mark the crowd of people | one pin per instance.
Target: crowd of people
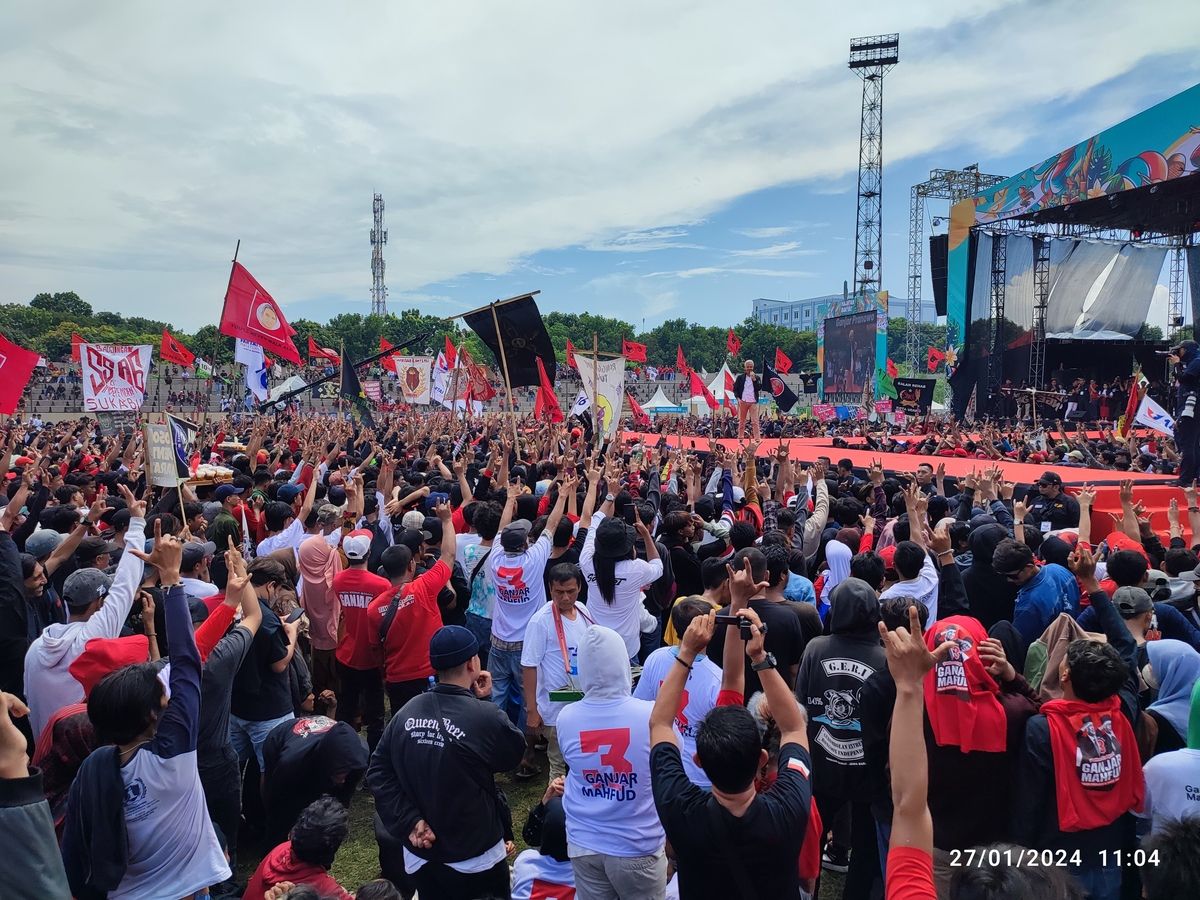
(733, 673)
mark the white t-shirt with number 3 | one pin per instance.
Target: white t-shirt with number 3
(699, 697)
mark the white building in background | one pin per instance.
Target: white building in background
(805, 315)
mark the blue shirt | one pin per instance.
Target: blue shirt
(1051, 591)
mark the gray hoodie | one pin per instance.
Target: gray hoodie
(49, 686)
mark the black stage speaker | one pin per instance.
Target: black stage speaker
(939, 250)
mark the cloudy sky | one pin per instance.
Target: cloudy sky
(646, 160)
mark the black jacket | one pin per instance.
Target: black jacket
(436, 761)
(740, 382)
(95, 847)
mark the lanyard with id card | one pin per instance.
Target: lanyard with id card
(571, 693)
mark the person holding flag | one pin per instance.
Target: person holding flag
(745, 388)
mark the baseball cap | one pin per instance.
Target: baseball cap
(289, 492)
(433, 527)
(92, 547)
(414, 519)
(195, 553)
(1075, 455)
(514, 535)
(1132, 601)
(328, 513)
(435, 498)
(42, 543)
(101, 656)
(1185, 345)
(85, 586)
(226, 491)
(739, 495)
(357, 544)
(1050, 478)
(451, 646)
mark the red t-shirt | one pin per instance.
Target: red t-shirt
(355, 589)
(406, 652)
(909, 874)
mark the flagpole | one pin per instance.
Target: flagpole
(454, 385)
(217, 337)
(596, 436)
(512, 414)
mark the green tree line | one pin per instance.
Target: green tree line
(46, 323)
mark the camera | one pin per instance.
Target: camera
(745, 626)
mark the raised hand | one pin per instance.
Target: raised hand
(908, 658)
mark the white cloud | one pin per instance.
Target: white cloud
(701, 271)
(142, 139)
(770, 231)
(776, 251)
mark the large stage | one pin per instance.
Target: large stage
(1155, 491)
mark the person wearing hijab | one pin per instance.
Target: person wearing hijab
(990, 596)
(319, 563)
(830, 692)
(837, 556)
(1171, 792)
(1175, 668)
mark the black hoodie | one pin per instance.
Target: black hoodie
(990, 596)
(832, 673)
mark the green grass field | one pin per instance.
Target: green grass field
(358, 860)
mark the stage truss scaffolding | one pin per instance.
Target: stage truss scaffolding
(1176, 294)
(999, 272)
(943, 184)
(1041, 300)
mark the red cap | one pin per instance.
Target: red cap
(101, 656)
(888, 555)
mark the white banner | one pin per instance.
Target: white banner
(114, 376)
(441, 380)
(250, 355)
(412, 374)
(1154, 416)
(608, 394)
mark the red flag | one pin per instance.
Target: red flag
(700, 389)
(388, 362)
(633, 351)
(253, 315)
(571, 355)
(891, 368)
(933, 358)
(174, 351)
(451, 356)
(681, 362)
(547, 401)
(16, 367)
(268, 363)
(76, 341)
(315, 352)
(639, 414)
(733, 343)
(783, 365)
(728, 388)
(478, 386)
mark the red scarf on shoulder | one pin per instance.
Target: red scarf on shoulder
(1097, 771)
(961, 697)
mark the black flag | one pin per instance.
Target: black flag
(523, 334)
(785, 398)
(351, 389)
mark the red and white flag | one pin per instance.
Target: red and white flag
(172, 350)
(16, 367)
(253, 315)
(77, 341)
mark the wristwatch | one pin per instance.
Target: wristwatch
(768, 662)
(610, 497)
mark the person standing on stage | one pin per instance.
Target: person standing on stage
(1186, 357)
(746, 387)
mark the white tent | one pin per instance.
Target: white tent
(659, 401)
(717, 385)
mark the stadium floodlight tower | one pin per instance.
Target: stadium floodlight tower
(378, 239)
(871, 58)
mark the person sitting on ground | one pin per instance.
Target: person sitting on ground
(544, 870)
(307, 855)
